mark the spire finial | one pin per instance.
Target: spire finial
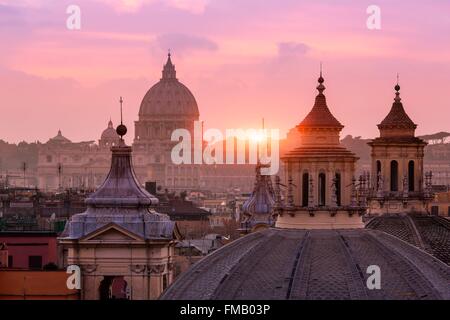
(321, 80)
(169, 69)
(121, 128)
(397, 89)
(121, 102)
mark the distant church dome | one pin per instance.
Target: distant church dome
(59, 138)
(168, 97)
(109, 133)
(109, 136)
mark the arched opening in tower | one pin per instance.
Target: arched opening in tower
(322, 187)
(394, 175)
(378, 173)
(305, 189)
(338, 188)
(411, 176)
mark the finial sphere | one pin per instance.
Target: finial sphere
(397, 88)
(121, 130)
(321, 80)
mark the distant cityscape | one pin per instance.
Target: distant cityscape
(193, 194)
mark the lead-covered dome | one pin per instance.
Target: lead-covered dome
(168, 97)
(109, 133)
(300, 264)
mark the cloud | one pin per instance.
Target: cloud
(292, 49)
(183, 43)
(22, 3)
(127, 5)
(192, 6)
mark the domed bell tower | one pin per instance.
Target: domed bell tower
(398, 182)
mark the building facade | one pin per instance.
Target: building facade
(63, 164)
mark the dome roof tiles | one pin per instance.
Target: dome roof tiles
(313, 264)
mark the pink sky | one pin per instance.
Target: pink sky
(250, 58)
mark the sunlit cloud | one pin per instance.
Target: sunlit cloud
(23, 3)
(192, 6)
(183, 43)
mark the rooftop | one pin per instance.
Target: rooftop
(313, 264)
(320, 115)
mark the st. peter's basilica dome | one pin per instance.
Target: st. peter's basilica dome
(168, 97)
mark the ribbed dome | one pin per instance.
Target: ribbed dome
(169, 96)
(277, 264)
(109, 133)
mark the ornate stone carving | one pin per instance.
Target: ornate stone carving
(156, 268)
(88, 268)
(138, 268)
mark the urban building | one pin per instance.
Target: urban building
(258, 209)
(32, 250)
(316, 163)
(167, 105)
(319, 249)
(398, 184)
(123, 247)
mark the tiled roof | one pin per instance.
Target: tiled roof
(313, 265)
(397, 117)
(179, 209)
(433, 232)
(320, 115)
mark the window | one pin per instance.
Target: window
(448, 211)
(322, 186)
(435, 210)
(10, 261)
(338, 189)
(35, 262)
(411, 176)
(49, 159)
(305, 189)
(394, 175)
(378, 173)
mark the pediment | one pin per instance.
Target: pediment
(112, 233)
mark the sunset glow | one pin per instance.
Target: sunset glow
(252, 58)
